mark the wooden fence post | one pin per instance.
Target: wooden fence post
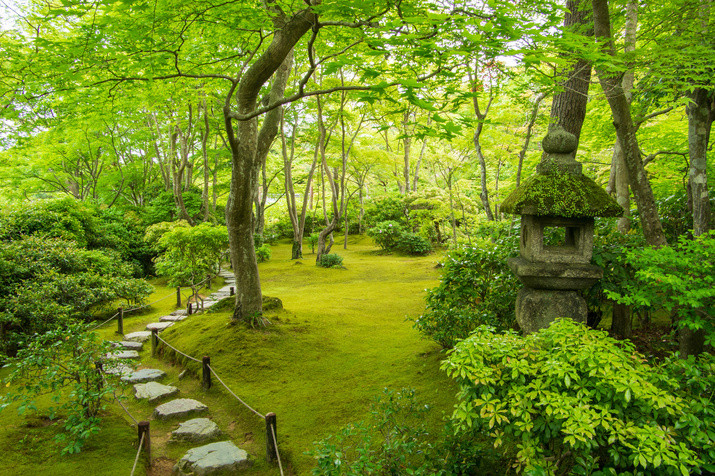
(206, 373)
(189, 309)
(232, 290)
(178, 296)
(154, 341)
(271, 449)
(208, 281)
(120, 321)
(99, 366)
(143, 429)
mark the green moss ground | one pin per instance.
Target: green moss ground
(341, 339)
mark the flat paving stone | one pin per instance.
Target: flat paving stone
(198, 430)
(159, 326)
(180, 312)
(172, 318)
(123, 354)
(179, 408)
(115, 368)
(131, 345)
(225, 289)
(222, 457)
(140, 336)
(153, 391)
(144, 375)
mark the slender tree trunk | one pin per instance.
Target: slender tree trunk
(407, 143)
(626, 132)
(529, 130)
(700, 111)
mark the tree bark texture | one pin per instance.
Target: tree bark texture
(700, 117)
(247, 149)
(626, 131)
(568, 108)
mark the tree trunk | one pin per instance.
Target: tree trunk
(529, 130)
(407, 142)
(699, 111)
(246, 146)
(626, 132)
(568, 108)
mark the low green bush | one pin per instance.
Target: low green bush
(477, 287)
(386, 234)
(331, 260)
(263, 253)
(395, 441)
(313, 240)
(412, 244)
(62, 362)
(571, 400)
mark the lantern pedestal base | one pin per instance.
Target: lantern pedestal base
(537, 308)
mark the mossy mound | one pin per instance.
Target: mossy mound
(561, 194)
(229, 303)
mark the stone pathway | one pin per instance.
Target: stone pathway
(213, 458)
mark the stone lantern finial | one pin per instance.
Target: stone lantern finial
(560, 147)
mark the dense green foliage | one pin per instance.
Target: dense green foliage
(395, 440)
(477, 288)
(679, 279)
(331, 260)
(263, 253)
(48, 282)
(412, 244)
(386, 234)
(61, 362)
(573, 400)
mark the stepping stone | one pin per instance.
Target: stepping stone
(144, 375)
(159, 326)
(123, 354)
(141, 336)
(180, 312)
(172, 318)
(197, 430)
(179, 408)
(209, 303)
(153, 391)
(116, 368)
(131, 345)
(225, 289)
(215, 458)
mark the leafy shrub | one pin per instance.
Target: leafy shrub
(331, 260)
(680, 279)
(386, 234)
(571, 400)
(477, 287)
(47, 282)
(395, 441)
(387, 208)
(412, 244)
(313, 240)
(258, 240)
(263, 253)
(63, 358)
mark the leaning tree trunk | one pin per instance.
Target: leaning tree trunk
(626, 131)
(246, 150)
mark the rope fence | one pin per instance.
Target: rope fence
(272, 452)
(121, 311)
(139, 452)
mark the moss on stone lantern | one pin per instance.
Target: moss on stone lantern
(557, 201)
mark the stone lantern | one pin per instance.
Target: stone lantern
(557, 205)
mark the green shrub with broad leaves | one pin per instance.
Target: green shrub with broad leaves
(386, 234)
(46, 283)
(331, 260)
(412, 244)
(571, 400)
(477, 287)
(679, 278)
(263, 253)
(62, 362)
(395, 440)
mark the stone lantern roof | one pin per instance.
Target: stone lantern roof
(559, 188)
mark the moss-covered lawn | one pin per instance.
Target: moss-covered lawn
(342, 338)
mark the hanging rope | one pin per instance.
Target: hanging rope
(139, 451)
(275, 443)
(235, 396)
(177, 350)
